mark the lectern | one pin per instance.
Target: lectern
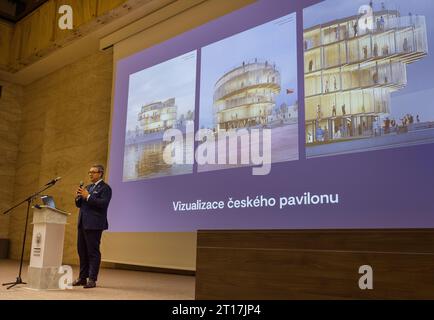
(47, 248)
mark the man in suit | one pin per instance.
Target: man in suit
(93, 201)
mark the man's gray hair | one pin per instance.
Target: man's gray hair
(100, 168)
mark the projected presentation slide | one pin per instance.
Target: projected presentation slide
(249, 81)
(340, 99)
(161, 97)
(368, 75)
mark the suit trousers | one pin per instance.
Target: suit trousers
(88, 251)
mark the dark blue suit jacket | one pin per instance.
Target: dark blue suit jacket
(93, 212)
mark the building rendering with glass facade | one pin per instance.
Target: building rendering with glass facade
(245, 96)
(158, 116)
(351, 66)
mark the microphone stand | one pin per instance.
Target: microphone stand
(29, 201)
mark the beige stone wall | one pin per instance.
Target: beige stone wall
(65, 129)
(10, 116)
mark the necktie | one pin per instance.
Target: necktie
(92, 186)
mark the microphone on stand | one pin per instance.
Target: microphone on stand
(53, 182)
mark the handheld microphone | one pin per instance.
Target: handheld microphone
(52, 182)
(81, 186)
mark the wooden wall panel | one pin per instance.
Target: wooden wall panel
(314, 264)
(15, 50)
(38, 34)
(84, 12)
(47, 14)
(29, 35)
(6, 31)
(106, 5)
(32, 36)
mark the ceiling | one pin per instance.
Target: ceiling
(14, 10)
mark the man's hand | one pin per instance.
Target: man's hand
(82, 192)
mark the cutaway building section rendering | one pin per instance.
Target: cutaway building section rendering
(245, 96)
(351, 67)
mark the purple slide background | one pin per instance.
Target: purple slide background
(390, 188)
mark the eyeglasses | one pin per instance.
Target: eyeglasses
(92, 172)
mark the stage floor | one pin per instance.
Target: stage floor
(112, 285)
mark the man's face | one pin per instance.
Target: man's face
(94, 174)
